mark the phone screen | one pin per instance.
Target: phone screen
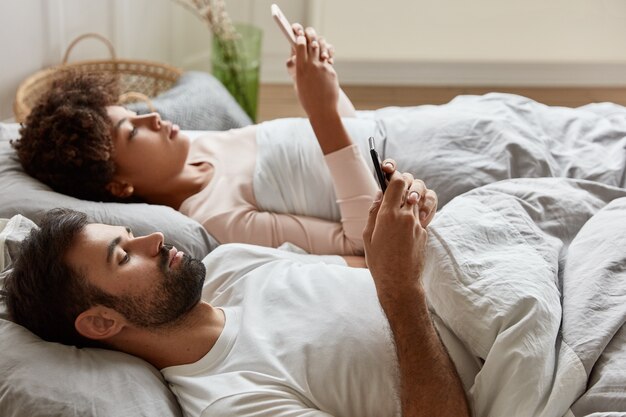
(380, 175)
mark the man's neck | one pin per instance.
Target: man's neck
(187, 342)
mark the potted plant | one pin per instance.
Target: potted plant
(236, 50)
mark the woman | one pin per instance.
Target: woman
(80, 143)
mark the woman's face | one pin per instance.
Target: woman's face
(147, 150)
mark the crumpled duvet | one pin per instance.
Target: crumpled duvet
(455, 147)
(530, 274)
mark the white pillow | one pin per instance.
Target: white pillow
(9, 131)
(44, 379)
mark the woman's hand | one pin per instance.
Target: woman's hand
(327, 52)
(316, 81)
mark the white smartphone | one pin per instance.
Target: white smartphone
(283, 24)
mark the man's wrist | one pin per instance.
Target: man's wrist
(392, 294)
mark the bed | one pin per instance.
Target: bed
(466, 150)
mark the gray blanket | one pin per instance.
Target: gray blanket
(454, 148)
(477, 140)
(530, 274)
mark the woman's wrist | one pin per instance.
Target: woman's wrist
(327, 115)
(329, 130)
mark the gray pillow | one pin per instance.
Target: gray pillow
(198, 101)
(22, 194)
(44, 379)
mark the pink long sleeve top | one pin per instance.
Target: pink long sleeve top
(228, 209)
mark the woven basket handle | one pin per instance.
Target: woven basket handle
(132, 96)
(89, 35)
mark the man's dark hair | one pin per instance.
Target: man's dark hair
(66, 141)
(43, 293)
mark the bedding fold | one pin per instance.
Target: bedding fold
(517, 270)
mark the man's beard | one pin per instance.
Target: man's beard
(164, 305)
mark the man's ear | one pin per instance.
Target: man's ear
(99, 323)
(120, 188)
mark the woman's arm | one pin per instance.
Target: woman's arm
(318, 92)
(344, 106)
(352, 179)
(354, 188)
(314, 235)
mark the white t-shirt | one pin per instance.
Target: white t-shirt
(271, 184)
(301, 338)
(291, 174)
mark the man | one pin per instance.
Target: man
(275, 333)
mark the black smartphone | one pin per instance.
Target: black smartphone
(380, 175)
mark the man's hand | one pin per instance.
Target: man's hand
(394, 249)
(395, 235)
(425, 199)
(394, 238)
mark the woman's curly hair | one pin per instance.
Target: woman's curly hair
(66, 141)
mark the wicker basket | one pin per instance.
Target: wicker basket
(139, 80)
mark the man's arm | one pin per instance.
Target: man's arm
(394, 249)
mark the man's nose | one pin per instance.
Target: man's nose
(150, 244)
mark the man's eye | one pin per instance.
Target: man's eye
(133, 132)
(125, 259)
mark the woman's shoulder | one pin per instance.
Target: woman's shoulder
(208, 145)
(202, 136)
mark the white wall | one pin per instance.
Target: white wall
(442, 42)
(478, 30)
(478, 42)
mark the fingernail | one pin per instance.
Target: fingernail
(422, 215)
(378, 196)
(389, 164)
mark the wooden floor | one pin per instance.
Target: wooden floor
(279, 100)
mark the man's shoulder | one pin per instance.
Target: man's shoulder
(232, 263)
(234, 260)
(241, 252)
